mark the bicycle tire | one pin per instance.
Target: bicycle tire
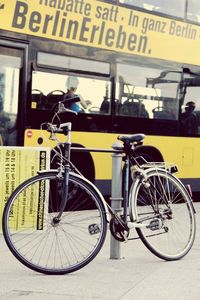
(164, 196)
(60, 248)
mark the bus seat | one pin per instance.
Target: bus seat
(38, 98)
(105, 105)
(118, 106)
(162, 113)
(54, 97)
(134, 108)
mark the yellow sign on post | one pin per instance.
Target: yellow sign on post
(16, 165)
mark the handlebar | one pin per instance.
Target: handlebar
(62, 109)
(71, 100)
(63, 128)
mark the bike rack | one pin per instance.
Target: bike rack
(116, 188)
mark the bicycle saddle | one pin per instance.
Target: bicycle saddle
(138, 137)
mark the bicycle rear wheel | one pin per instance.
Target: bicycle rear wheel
(164, 203)
(46, 246)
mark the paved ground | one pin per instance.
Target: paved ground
(139, 275)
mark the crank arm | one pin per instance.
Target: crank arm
(137, 225)
(154, 224)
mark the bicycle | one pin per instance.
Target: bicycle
(56, 222)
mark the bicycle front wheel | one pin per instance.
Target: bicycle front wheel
(41, 243)
(163, 202)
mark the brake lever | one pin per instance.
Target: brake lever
(62, 108)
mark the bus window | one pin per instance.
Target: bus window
(141, 95)
(92, 91)
(9, 90)
(190, 110)
(72, 63)
(168, 103)
(170, 7)
(193, 10)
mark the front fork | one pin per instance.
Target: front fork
(65, 191)
(65, 188)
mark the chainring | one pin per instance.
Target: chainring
(118, 229)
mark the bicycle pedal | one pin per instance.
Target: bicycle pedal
(93, 229)
(154, 224)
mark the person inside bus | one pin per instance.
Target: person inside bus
(72, 85)
(190, 119)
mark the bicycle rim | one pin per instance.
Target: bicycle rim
(37, 241)
(164, 202)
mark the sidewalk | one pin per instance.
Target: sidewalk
(139, 275)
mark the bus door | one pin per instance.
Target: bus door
(12, 94)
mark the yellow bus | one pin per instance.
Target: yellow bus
(137, 63)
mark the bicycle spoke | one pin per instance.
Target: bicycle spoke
(49, 246)
(163, 203)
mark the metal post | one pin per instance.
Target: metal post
(116, 196)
